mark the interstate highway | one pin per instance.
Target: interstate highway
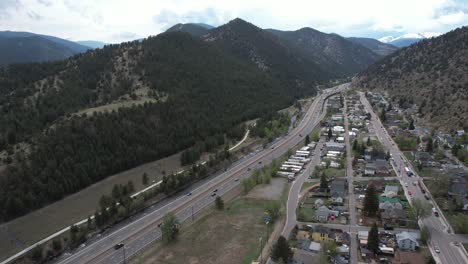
(143, 231)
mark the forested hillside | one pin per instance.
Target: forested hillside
(266, 51)
(201, 92)
(191, 28)
(334, 54)
(432, 74)
(376, 46)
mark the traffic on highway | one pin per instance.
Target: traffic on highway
(137, 234)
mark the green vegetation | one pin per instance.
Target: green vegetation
(421, 209)
(425, 235)
(208, 94)
(306, 214)
(371, 201)
(169, 227)
(406, 143)
(219, 203)
(273, 209)
(327, 248)
(315, 135)
(281, 251)
(271, 126)
(260, 176)
(459, 223)
(373, 240)
(461, 153)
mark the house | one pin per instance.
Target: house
(391, 191)
(338, 188)
(365, 253)
(318, 203)
(362, 237)
(407, 241)
(342, 238)
(378, 167)
(334, 146)
(338, 260)
(389, 205)
(322, 233)
(424, 158)
(314, 246)
(337, 200)
(393, 216)
(323, 213)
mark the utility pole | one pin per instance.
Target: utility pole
(124, 254)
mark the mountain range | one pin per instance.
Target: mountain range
(168, 93)
(431, 74)
(20, 47)
(407, 39)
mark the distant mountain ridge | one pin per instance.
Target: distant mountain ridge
(194, 29)
(21, 47)
(92, 43)
(407, 39)
(431, 74)
(333, 53)
(376, 46)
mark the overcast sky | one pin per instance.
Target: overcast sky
(122, 20)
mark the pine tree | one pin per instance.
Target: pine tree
(323, 181)
(371, 201)
(411, 125)
(281, 251)
(373, 240)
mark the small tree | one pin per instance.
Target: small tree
(169, 227)
(307, 140)
(371, 201)
(330, 133)
(373, 240)
(323, 181)
(429, 147)
(219, 203)
(425, 235)
(281, 251)
(421, 209)
(37, 254)
(273, 209)
(144, 179)
(56, 244)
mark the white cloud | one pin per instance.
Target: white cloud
(118, 20)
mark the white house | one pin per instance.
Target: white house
(407, 241)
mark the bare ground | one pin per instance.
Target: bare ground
(270, 191)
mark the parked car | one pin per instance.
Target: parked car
(386, 227)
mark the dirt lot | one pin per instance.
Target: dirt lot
(230, 236)
(270, 191)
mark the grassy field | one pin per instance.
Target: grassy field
(116, 106)
(229, 236)
(306, 214)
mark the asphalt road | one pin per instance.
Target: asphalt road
(137, 234)
(351, 199)
(449, 253)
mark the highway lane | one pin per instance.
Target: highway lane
(437, 225)
(137, 234)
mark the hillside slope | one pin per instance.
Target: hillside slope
(191, 28)
(431, 73)
(265, 50)
(202, 93)
(21, 47)
(376, 46)
(31, 49)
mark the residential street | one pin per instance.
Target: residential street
(438, 226)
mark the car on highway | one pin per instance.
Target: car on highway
(406, 184)
(436, 249)
(248, 169)
(434, 211)
(215, 190)
(237, 179)
(213, 194)
(119, 245)
(409, 193)
(188, 194)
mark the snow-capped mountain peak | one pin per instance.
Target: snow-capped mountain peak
(388, 39)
